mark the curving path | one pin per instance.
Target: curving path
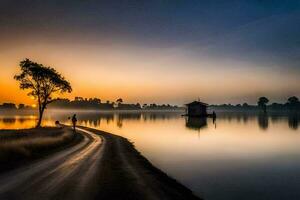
(64, 175)
(102, 166)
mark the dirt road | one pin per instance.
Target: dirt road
(102, 166)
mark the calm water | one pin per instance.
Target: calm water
(238, 156)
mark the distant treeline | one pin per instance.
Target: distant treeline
(292, 104)
(12, 106)
(94, 104)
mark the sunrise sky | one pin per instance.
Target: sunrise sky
(164, 51)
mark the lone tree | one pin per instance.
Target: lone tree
(293, 102)
(119, 100)
(43, 82)
(262, 103)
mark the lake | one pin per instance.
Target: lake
(237, 156)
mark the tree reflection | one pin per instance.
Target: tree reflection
(120, 119)
(9, 120)
(263, 121)
(293, 121)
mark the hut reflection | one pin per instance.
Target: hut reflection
(196, 123)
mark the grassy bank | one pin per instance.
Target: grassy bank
(17, 147)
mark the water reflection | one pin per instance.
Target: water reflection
(9, 120)
(294, 121)
(263, 121)
(226, 162)
(196, 123)
(95, 119)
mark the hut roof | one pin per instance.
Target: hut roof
(196, 103)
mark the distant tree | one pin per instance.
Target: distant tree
(43, 82)
(245, 105)
(293, 102)
(113, 104)
(21, 106)
(262, 103)
(78, 99)
(60, 103)
(119, 100)
(138, 105)
(153, 105)
(97, 101)
(9, 106)
(276, 106)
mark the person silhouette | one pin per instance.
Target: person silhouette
(214, 115)
(74, 120)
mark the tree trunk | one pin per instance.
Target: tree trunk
(41, 112)
(265, 109)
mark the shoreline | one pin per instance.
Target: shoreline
(125, 163)
(102, 165)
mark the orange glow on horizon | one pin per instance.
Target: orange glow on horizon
(146, 75)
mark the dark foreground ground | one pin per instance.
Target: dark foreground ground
(100, 166)
(20, 147)
(131, 176)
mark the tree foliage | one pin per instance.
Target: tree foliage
(43, 82)
(119, 100)
(293, 100)
(262, 102)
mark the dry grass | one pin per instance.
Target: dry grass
(20, 146)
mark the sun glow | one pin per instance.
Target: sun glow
(154, 70)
